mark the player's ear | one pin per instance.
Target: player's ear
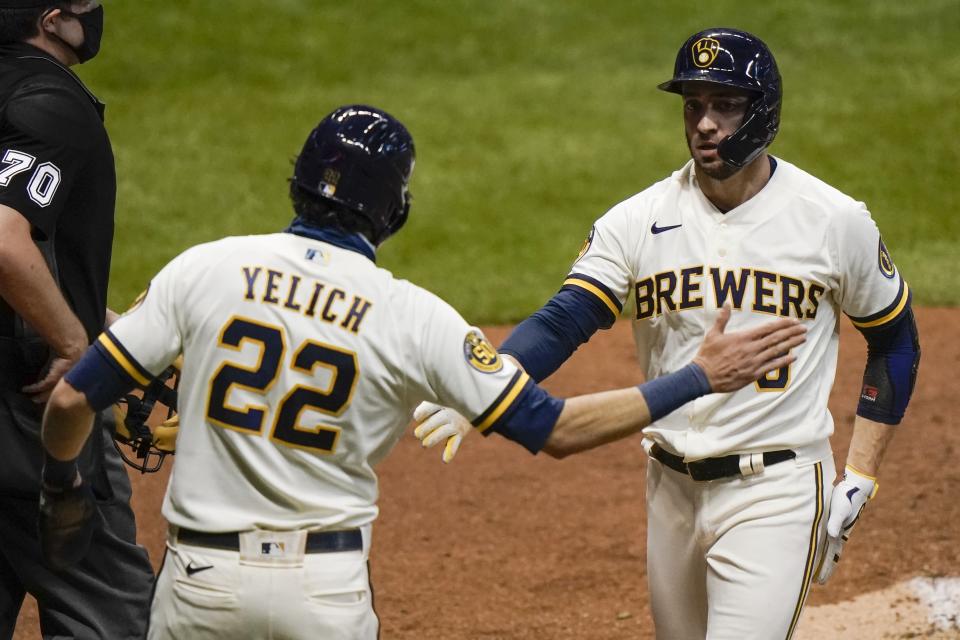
(49, 21)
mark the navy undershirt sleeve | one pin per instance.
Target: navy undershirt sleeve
(100, 378)
(666, 394)
(546, 339)
(530, 419)
(893, 358)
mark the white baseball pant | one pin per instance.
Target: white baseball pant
(270, 589)
(732, 559)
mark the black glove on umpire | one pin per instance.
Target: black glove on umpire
(67, 512)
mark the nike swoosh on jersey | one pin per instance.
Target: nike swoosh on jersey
(192, 569)
(654, 229)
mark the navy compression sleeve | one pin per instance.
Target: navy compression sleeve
(99, 377)
(668, 393)
(530, 420)
(545, 340)
(893, 357)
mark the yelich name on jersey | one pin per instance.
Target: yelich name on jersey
(313, 299)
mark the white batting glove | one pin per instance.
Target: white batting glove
(436, 423)
(850, 496)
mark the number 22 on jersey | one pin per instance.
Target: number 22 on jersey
(286, 428)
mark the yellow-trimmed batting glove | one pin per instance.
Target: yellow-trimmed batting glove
(850, 496)
(436, 424)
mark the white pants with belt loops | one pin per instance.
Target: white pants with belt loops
(732, 559)
(269, 590)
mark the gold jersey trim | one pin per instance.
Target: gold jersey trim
(604, 298)
(505, 403)
(905, 295)
(132, 369)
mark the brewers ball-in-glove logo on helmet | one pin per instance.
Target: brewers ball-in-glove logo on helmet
(704, 52)
(738, 59)
(480, 354)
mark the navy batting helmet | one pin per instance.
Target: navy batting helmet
(361, 158)
(736, 59)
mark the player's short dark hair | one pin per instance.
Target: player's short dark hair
(324, 213)
(17, 25)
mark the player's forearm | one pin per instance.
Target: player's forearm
(29, 288)
(596, 419)
(592, 420)
(67, 422)
(868, 445)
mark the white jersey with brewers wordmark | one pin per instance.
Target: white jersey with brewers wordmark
(798, 249)
(302, 364)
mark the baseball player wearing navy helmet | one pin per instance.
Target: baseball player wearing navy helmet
(742, 515)
(302, 361)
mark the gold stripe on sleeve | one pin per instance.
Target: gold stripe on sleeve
(121, 359)
(890, 316)
(604, 298)
(505, 403)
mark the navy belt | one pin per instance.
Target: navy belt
(317, 541)
(715, 468)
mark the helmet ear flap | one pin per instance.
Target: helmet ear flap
(399, 217)
(393, 221)
(742, 146)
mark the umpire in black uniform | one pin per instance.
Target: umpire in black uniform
(57, 195)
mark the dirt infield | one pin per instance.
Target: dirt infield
(503, 545)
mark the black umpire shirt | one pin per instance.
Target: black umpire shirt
(57, 171)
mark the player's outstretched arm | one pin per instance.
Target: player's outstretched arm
(725, 362)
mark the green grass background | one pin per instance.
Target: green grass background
(531, 118)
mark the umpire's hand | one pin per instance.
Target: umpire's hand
(67, 511)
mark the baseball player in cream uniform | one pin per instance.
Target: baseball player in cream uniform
(740, 484)
(302, 362)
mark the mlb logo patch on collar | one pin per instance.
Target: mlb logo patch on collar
(315, 254)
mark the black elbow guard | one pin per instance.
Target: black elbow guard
(893, 357)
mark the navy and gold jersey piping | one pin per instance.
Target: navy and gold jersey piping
(597, 288)
(109, 346)
(889, 313)
(486, 421)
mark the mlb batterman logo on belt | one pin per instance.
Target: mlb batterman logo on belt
(705, 51)
(480, 354)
